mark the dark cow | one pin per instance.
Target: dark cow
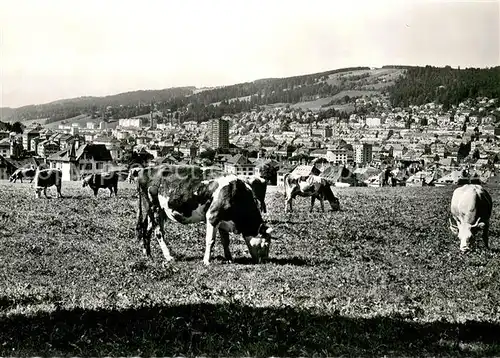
(186, 194)
(102, 180)
(45, 178)
(23, 173)
(259, 187)
(311, 185)
(471, 207)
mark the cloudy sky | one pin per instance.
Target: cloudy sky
(60, 49)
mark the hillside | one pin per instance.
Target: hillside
(68, 108)
(446, 86)
(403, 85)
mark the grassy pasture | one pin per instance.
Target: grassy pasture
(384, 276)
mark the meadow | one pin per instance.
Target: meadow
(384, 276)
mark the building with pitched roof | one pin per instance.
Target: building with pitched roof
(77, 161)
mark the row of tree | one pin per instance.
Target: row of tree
(16, 127)
(446, 86)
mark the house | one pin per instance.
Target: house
(78, 160)
(46, 148)
(239, 165)
(189, 151)
(27, 136)
(339, 155)
(5, 148)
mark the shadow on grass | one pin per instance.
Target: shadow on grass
(207, 329)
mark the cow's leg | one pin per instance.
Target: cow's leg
(160, 234)
(322, 203)
(312, 203)
(21, 178)
(264, 209)
(45, 192)
(58, 188)
(96, 190)
(209, 242)
(485, 234)
(110, 191)
(143, 232)
(224, 238)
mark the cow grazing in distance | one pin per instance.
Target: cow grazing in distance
(132, 174)
(102, 180)
(259, 187)
(23, 173)
(186, 194)
(471, 207)
(45, 178)
(311, 185)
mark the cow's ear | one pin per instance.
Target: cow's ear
(480, 225)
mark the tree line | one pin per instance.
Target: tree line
(446, 86)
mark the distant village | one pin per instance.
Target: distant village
(414, 143)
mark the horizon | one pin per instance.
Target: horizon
(107, 58)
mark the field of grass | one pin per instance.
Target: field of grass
(383, 276)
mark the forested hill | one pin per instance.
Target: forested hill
(263, 91)
(446, 85)
(68, 108)
(406, 85)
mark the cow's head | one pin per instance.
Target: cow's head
(38, 192)
(465, 232)
(335, 203)
(260, 244)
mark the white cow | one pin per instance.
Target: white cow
(471, 207)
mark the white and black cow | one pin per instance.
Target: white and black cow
(102, 180)
(471, 207)
(45, 178)
(259, 187)
(312, 185)
(23, 173)
(185, 194)
(132, 174)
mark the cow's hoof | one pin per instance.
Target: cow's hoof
(206, 262)
(169, 259)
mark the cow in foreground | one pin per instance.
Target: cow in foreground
(102, 180)
(259, 187)
(311, 185)
(471, 207)
(46, 178)
(23, 173)
(185, 195)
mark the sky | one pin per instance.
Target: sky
(55, 49)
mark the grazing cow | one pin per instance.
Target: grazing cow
(471, 207)
(311, 185)
(103, 180)
(23, 173)
(259, 187)
(45, 178)
(187, 194)
(132, 174)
